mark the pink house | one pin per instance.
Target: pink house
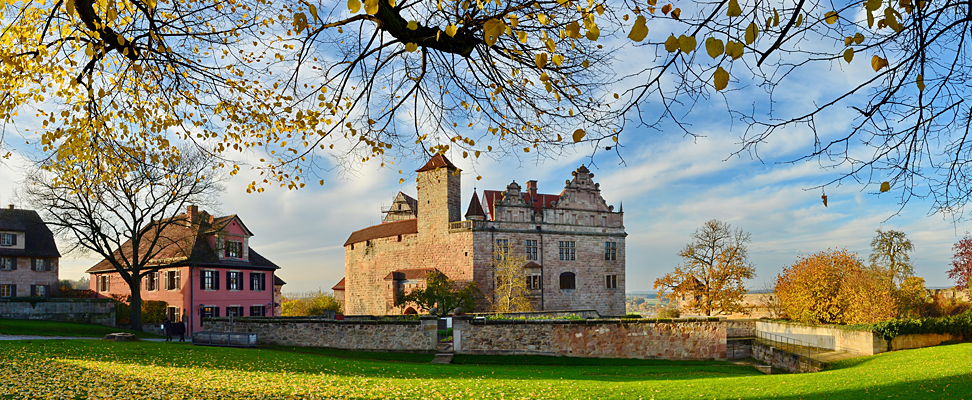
(205, 268)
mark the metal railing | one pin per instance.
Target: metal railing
(789, 345)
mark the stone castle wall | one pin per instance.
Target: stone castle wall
(89, 311)
(680, 340)
(399, 336)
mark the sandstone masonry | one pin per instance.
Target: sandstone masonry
(574, 243)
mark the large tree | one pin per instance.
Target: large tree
(889, 252)
(122, 214)
(834, 287)
(441, 296)
(291, 78)
(511, 293)
(961, 270)
(714, 266)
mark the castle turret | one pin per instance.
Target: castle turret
(438, 196)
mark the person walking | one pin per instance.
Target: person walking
(167, 329)
(180, 329)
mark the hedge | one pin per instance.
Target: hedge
(957, 324)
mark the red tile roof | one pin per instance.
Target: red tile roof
(178, 244)
(387, 229)
(406, 274)
(475, 208)
(532, 264)
(437, 161)
(490, 197)
(339, 286)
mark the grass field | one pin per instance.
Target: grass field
(52, 369)
(54, 328)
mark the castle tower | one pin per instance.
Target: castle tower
(438, 196)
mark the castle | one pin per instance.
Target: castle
(573, 243)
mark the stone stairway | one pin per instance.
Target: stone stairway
(443, 353)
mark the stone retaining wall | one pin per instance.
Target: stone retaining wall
(380, 335)
(857, 342)
(676, 340)
(90, 311)
(783, 360)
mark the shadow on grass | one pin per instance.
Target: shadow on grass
(23, 327)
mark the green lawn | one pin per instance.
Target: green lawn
(98, 369)
(54, 328)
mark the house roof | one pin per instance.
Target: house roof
(339, 286)
(277, 281)
(387, 229)
(475, 207)
(38, 239)
(408, 274)
(179, 244)
(437, 161)
(532, 264)
(490, 197)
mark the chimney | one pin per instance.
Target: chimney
(532, 189)
(11, 206)
(191, 213)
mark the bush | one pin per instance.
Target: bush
(940, 306)
(309, 304)
(153, 311)
(633, 315)
(956, 324)
(671, 311)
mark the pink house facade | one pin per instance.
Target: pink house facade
(208, 270)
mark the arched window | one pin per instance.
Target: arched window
(567, 280)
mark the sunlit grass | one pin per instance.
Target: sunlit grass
(150, 370)
(56, 328)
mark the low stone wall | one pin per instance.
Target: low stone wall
(585, 314)
(90, 311)
(375, 335)
(676, 340)
(783, 360)
(905, 342)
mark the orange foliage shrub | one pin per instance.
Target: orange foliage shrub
(834, 287)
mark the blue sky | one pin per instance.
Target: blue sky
(669, 183)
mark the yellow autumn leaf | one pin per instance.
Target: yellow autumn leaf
(640, 30)
(412, 25)
(492, 30)
(858, 38)
(371, 6)
(752, 31)
(831, 17)
(734, 49)
(776, 18)
(798, 21)
(733, 10)
(540, 60)
(714, 47)
(885, 186)
(920, 80)
(313, 10)
(579, 135)
(671, 44)
(877, 63)
(848, 55)
(557, 59)
(687, 43)
(572, 30)
(411, 47)
(451, 30)
(593, 32)
(720, 78)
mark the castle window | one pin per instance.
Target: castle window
(533, 282)
(611, 281)
(399, 238)
(234, 311)
(258, 311)
(8, 239)
(174, 314)
(258, 281)
(152, 281)
(531, 249)
(610, 251)
(234, 281)
(503, 245)
(7, 290)
(210, 311)
(566, 249)
(103, 282)
(8, 264)
(41, 264)
(567, 281)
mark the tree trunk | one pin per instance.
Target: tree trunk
(135, 301)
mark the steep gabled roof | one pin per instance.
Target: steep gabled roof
(180, 243)
(38, 239)
(277, 281)
(437, 161)
(491, 197)
(388, 229)
(475, 207)
(339, 286)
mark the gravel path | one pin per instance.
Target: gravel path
(37, 337)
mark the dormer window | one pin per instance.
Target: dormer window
(8, 239)
(233, 249)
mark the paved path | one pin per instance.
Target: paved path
(37, 337)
